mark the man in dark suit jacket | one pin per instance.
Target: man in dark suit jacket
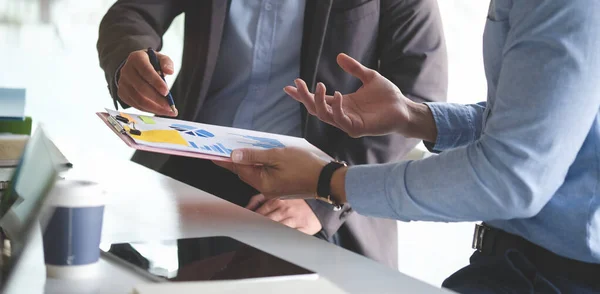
(236, 52)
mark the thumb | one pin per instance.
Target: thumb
(353, 67)
(251, 156)
(255, 202)
(166, 64)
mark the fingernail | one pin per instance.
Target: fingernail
(175, 111)
(237, 156)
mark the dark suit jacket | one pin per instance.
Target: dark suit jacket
(402, 39)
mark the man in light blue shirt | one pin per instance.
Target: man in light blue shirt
(527, 161)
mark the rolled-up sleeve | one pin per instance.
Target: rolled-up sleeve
(546, 100)
(457, 124)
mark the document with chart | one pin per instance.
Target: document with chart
(191, 139)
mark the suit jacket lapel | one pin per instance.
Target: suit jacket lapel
(316, 17)
(218, 15)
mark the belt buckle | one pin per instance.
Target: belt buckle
(478, 235)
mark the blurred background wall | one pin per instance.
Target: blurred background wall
(48, 47)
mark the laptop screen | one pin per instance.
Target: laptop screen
(20, 205)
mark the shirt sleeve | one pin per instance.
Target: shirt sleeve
(128, 26)
(546, 101)
(457, 124)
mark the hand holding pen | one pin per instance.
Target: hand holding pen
(141, 82)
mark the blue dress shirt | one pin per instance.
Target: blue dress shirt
(528, 160)
(259, 55)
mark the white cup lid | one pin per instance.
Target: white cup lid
(76, 193)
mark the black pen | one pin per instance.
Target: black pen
(156, 65)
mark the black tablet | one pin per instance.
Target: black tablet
(201, 259)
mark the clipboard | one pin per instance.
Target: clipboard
(284, 141)
(131, 143)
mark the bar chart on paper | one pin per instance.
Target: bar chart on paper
(266, 143)
(171, 134)
(216, 148)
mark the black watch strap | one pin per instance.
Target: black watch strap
(324, 183)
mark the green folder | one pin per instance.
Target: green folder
(16, 126)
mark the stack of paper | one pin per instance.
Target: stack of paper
(14, 126)
(11, 148)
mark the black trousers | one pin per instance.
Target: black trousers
(510, 264)
(514, 272)
(208, 177)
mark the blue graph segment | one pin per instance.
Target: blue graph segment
(181, 127)
(225, 148)
(219, 148)
(204, 133)
(192, 131)
(262, 142)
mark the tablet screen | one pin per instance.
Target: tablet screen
(203, 259)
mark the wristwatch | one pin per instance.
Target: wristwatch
(324, 184)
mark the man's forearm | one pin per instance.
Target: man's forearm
(421, 124)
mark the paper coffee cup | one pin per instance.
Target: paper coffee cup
(73, 231)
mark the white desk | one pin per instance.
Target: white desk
(160, 208)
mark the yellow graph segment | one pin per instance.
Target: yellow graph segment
(160, 136)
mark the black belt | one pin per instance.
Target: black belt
(495, 242)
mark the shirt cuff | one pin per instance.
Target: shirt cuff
(454, 125)
(366, 189)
